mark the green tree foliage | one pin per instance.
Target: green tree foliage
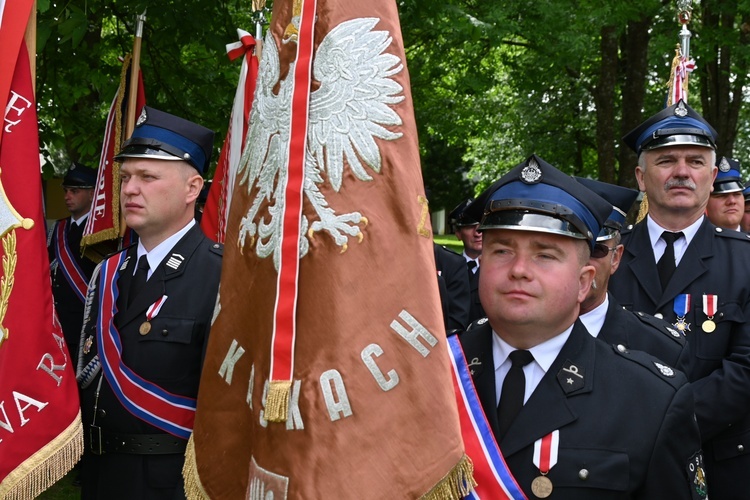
(184, 63)
(492, 82)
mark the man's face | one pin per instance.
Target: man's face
(78, 200)
(726, 209)
(745, 223)
(157, 196)
(532, 282)
(471, 238)
(677, 179)
(605, 265)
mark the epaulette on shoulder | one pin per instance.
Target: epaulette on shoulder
(655, 366)
(477, 324)
(728, 233)
(450, 250)
(661, 326)
(217, 248)
(626, 229)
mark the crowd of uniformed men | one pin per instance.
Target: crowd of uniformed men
(627, 345)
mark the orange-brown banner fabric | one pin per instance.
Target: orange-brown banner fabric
(372, 412)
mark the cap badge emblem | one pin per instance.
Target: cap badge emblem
(681, 110)
(531, 173)
(724, 165)
(142, 117)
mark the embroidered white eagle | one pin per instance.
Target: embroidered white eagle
(349, 110)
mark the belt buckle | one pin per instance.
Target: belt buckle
(95, 440)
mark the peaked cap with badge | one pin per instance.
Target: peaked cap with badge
(161, 136)
(79, 176)
(677, 125)
(728, 179)
(535, 196)
(621, 198)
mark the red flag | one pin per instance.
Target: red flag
(102, 232)
(216, 210)
(327, 373)
(40, 419)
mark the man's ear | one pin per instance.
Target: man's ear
(585, 280)
(616, 258)
(194, 186)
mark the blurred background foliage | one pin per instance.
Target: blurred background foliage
(492, 82)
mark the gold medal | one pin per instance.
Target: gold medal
(708, 326)
(145, 328)
(541, 487)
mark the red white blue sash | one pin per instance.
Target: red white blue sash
(149, 402)
(67, 263)
(494, 479)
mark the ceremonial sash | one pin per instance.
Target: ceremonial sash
(149, 402)
(67, 263)
(494, 479)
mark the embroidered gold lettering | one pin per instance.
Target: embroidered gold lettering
(422, 229)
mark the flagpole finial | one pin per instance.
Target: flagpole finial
(684, 14)
(140, 20)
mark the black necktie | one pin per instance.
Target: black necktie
(139, 279)
(666, 265)
(471, 264)
(514, 387)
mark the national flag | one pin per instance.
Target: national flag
(327, 372)
(103, 227)
(41, 437)
(216, 210)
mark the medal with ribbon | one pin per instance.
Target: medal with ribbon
(681, 307)
(710, 304)
(152, 311)
(545, 457)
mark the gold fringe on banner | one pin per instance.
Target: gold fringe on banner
(193, 486)
(47, 466)
(457, 484)
(642, 209)
(670, 84)
(111, 234)
(277, 402)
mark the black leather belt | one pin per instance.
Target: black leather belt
(135, 444)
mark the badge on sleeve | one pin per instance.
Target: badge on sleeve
(696, 476)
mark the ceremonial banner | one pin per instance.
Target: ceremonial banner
(216, 210)
(102, 232)
(327, 373)
(40, 420)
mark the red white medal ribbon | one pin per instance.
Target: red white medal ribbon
(154, 308)
(545, 451)
(709, 305)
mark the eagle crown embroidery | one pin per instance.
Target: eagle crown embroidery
(349, 110)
